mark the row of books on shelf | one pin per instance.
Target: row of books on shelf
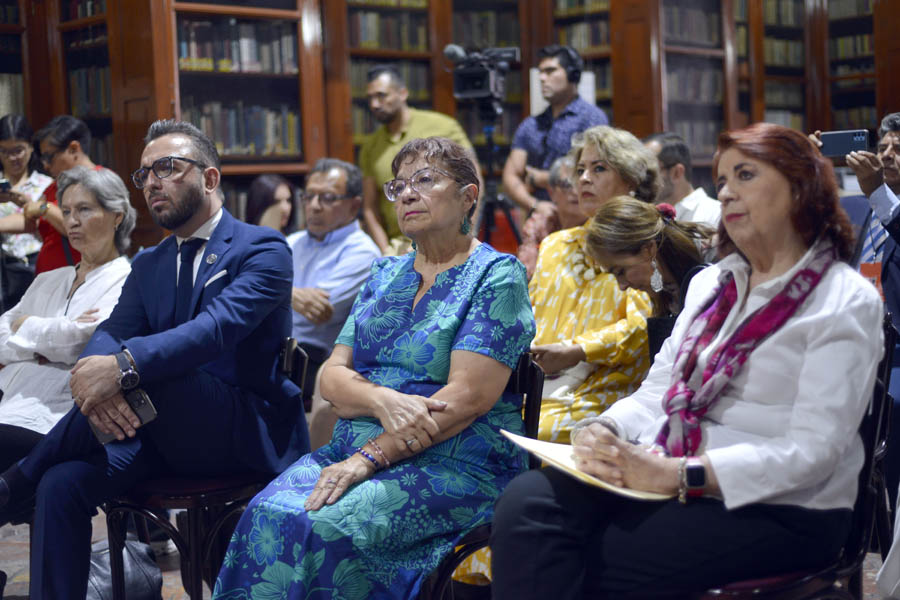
(95, 35)
(783, 12)
(397, 31)
(686, 83)
(414, 74)
(782, 53)
(9, 12)
(854, 84)
(741, 33)
(785, 94)
(786, 118)
(101, 151)
(240, 130)
(852, 69)
(841, 9)
(10, 44)
(400, 3)
(585, 36)
(851, 46)
(234, 46)
(603, 81)
(487, 28)
(564, 8)
(700, 135)
(90, 93)
(362, 121)
(235, 200)
(79, 9)
(469, 119)
(12, 94)
(859, 117)
(692, 26)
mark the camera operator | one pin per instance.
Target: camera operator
(387, 96)
(542, 139)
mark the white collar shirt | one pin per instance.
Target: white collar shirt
(697, 207)
(204, 232)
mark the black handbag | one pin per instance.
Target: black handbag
(143, 577)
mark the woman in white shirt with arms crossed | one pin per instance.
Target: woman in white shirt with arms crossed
(42, 336)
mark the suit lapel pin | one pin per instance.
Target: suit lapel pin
(211, 259)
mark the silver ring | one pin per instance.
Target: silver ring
(411, 442)
(331, 481)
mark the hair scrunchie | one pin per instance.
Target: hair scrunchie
(666, 210)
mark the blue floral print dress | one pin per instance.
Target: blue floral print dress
(386, 534)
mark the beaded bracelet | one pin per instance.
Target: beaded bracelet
(380, 452)
(682, 480)
(370, 457)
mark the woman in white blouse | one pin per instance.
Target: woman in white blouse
(748, 418)
(42, 336)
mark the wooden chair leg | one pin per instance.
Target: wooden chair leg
(195, 548)
(116, 532)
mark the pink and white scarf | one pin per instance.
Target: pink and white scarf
(681, 434)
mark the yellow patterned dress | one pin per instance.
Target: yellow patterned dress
(575, 302)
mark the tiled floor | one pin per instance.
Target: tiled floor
(14, 560)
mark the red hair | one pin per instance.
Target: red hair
(816, 208)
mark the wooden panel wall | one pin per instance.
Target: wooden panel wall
(887, 56)
(637, 76)
(141, 78)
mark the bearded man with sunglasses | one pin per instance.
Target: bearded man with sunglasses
(332, 259)
(198, 327)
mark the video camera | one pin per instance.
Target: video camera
(480, 75)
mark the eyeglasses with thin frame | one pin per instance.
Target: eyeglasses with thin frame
(422, 181)
(14, 152)
(162, 168)
(326, 199)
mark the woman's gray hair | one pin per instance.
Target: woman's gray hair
(624, 154)
(109, 191)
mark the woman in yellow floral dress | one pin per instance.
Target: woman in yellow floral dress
(591, 337)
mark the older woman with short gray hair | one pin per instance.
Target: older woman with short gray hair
(42, 336)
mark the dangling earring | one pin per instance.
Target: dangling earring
(466, 226)
(414, 245)
(656, 280)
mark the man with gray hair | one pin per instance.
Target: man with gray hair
(332, 258)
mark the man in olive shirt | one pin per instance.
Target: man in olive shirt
(387, 96)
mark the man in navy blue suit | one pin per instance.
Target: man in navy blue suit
(198, 326)
(878, 215)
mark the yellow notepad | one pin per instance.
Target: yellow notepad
(560, 456)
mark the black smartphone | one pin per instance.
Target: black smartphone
(140, 403)
(5, 185)
(842, 143)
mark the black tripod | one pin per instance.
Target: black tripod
(488, 111)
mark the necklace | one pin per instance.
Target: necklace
(582, 267)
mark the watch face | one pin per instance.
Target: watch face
(695, 476)
(130, 380)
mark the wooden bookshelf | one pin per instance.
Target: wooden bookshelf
(14, 93)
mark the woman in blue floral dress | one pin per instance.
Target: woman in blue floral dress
(417, 376)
